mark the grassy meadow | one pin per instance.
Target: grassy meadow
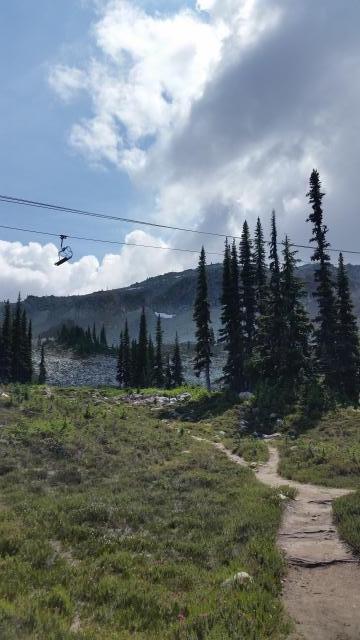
(329, 454)
(115, 523)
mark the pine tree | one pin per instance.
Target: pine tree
(325, 330)
(202, 360)
(176, 365)
(120, 362)
(231, 333)
(159, 368)
(6, 349)
(168, 374)
(142, 352)
(94, 336)
(42, 367)
(247, 290)
(260, 277)
(347, 341)
(295, 362)
(126, 357)
(150, 363)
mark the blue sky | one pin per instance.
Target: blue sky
(191, 114)
(36, 161)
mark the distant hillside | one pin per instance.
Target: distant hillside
(171, 294)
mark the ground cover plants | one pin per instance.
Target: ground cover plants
(116, 523)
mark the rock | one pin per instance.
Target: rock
(238, 579)
(5, 396)
(222, 433)
(246, 395)
(253, 465)
(282, 497)
(184, 396)
(272, 436)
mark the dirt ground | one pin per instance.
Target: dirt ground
(322, 587)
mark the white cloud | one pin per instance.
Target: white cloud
(30, 268)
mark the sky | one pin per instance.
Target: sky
(192, 114)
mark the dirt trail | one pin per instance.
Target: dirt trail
(322, 588)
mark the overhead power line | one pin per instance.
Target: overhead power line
(61, 209)
(103, 241)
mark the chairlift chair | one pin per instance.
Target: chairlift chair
(65, 253)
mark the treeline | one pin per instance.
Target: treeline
(15, 345)
(271, 345)
(83, 341)
(141, 363)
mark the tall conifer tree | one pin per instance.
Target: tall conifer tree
(176, 365)
(325, 329)
(247, 289)
(120, 362)
(347, 341)
(42, 367)
(126, 357)
(142, 352)
(150, 363)
(260, 275)
(159, 367)
(202, 360)
(17, 344)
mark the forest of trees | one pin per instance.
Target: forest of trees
(83, 341)
(15, 345)
(271, 345)
(143, 364)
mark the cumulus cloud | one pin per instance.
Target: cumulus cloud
(30, 268)
(228, 105)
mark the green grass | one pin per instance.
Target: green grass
(328, 454)
(115, 524)
(347, 518)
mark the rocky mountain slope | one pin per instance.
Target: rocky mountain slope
(171, 294)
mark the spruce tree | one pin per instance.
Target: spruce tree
(126, 357)
(325, 329)
(295, 361)
(260, 277)
(6, 349)
(142, 352)
(29, 361)
(42, 367)
(176, 365)
(17, 344)
(103, 340)
(150, 362)
(94, 336)
(120, 362)
(271, 325)
(159, 367)
(347, 341)
(231, 330)
(134, 364)
(202, 360)
(247, 290)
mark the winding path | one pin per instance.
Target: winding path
(322, 587)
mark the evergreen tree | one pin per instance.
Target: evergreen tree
(295, 362)
(120, 362)
(103, 340)
(202, 360)
(260, 277)
(176, 368)
(347, 341)
(42, 367)
(159, 368)
(6, 348)
(150, 362)
(168, 374)
(134, 364)
(271, 325)
(126, 357)
(142, 352)
(325, 330)
(17, 344)
(29, 362)
(231, 333)
(94, 336)
(247, 290)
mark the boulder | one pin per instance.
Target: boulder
(246, 395)
(272, 436)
